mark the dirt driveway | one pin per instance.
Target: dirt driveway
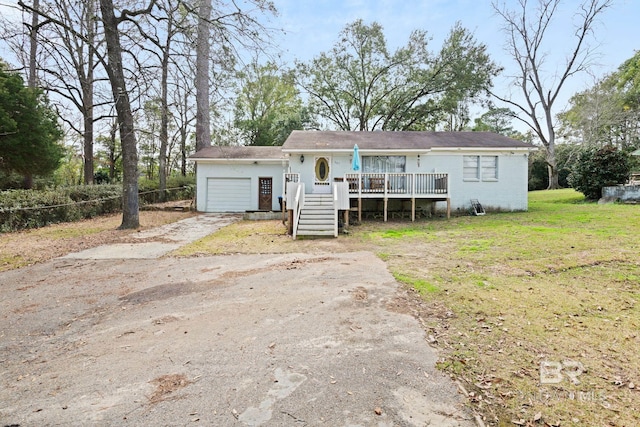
(273, 340)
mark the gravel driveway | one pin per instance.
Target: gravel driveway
(242, 340)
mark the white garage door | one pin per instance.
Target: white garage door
(228, 194)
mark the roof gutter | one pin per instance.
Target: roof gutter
(469, 149)
(379, 151)
(362, 150)
(227, 160)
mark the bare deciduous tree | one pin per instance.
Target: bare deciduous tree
(115, 70)
(139, 36)
(33, 48)
(527, 30)
(65, 64)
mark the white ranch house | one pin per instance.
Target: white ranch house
(395, 173)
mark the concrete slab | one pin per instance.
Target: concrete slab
(168, 238)
(238, 340)
(190, 229)
(146, 250)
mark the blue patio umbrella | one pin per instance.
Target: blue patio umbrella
(355, 164)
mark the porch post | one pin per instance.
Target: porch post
(413, 209)
(284, 210)
(385, 209)
(290, 222)
(448, 207)
(414, 178)
(359, 196)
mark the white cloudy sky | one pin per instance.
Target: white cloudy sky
(312, 26)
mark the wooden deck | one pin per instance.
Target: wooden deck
(419, 185)
(409, 186)
(385, 186)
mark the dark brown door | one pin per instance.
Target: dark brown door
(265, 198)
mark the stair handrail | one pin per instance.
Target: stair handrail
(335, 210)
(298, 202)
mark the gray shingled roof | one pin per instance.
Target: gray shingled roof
(239, 153)
(339, 140)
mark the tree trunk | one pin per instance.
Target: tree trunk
(552, 163)
(33, 52)
(554, 180)
(130, 203)
(33, 48)
(112, 152)
(183, 151)
(552, 167)
(203, 128)
(27, 181)
(164, 116)
(86, 84)
(88, 135)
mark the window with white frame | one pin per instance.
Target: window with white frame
(480, 168)
(489, 168)
(471, 168)
(382, 164)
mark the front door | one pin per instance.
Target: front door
(265, 190)
(322, 175)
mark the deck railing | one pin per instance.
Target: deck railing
(296, 206)
(289, 177)
(336, 194)
(432, 183)
(398, 184)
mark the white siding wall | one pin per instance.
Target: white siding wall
(340, 165)
(508, 192)
(253, 171)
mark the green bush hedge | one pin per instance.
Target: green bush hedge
(94, 200)
(178, 188)
(21, 209)
(597, 168)
(24, 209)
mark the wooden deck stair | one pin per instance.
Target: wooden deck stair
(317, 216)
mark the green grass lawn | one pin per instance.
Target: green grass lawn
(560, 283)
